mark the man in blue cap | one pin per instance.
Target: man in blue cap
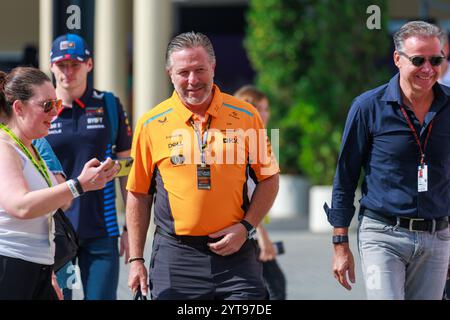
(92, 123)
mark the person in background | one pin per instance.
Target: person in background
(30, 193)
(82, 129)
(273, 275)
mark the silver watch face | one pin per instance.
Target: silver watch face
(251, 234)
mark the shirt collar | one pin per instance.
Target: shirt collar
(81, 102)
(213, 108)
(440, 101)
(393, 93)
(84, 99)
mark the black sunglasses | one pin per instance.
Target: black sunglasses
(418, 61)
(50, 104)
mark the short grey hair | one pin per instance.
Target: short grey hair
(444, 36)
(416, 29)
(189, 40)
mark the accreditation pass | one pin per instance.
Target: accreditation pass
(422, 178)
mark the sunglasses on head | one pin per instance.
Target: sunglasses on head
(418, 61)
(50, 104)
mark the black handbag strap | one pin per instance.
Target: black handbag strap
(138, 294)
(66, 240)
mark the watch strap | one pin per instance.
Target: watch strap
(251, 231)
(337, 239)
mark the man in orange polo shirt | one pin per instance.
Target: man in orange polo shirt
(191, 153)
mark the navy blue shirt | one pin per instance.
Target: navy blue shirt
(77, 135)
(378, 139)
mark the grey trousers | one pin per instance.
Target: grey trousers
(399, 264)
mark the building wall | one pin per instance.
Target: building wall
(407, 9)
(19, 25)
(23, 17)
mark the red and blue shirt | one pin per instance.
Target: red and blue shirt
(77, 135)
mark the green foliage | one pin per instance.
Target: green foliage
(276, 42)
(313, 58)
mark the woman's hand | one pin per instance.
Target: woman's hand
(96, 174)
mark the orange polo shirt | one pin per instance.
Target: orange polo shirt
(166, 155)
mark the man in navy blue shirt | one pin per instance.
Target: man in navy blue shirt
(399, 133)
(80, 132)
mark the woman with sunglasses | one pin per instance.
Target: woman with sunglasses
(30, 194)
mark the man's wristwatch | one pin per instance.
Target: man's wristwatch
(340, 239)
(251, 231)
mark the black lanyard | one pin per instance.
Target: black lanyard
(416, 136)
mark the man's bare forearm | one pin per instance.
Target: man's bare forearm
(340, 231)
(123, 180)
(262, 200)
(138, 219)
(123, 188)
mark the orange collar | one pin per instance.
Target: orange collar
(186, 114)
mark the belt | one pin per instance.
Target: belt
(194, 240)
(412, 224)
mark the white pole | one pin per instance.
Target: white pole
(45, 34)
(152, 32)
(110, 48)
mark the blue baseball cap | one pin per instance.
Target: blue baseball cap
(69, 47)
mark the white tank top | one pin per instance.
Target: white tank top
(28, 239)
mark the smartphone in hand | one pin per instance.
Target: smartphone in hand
(124, 166)
(109, 166)
(279, 247)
